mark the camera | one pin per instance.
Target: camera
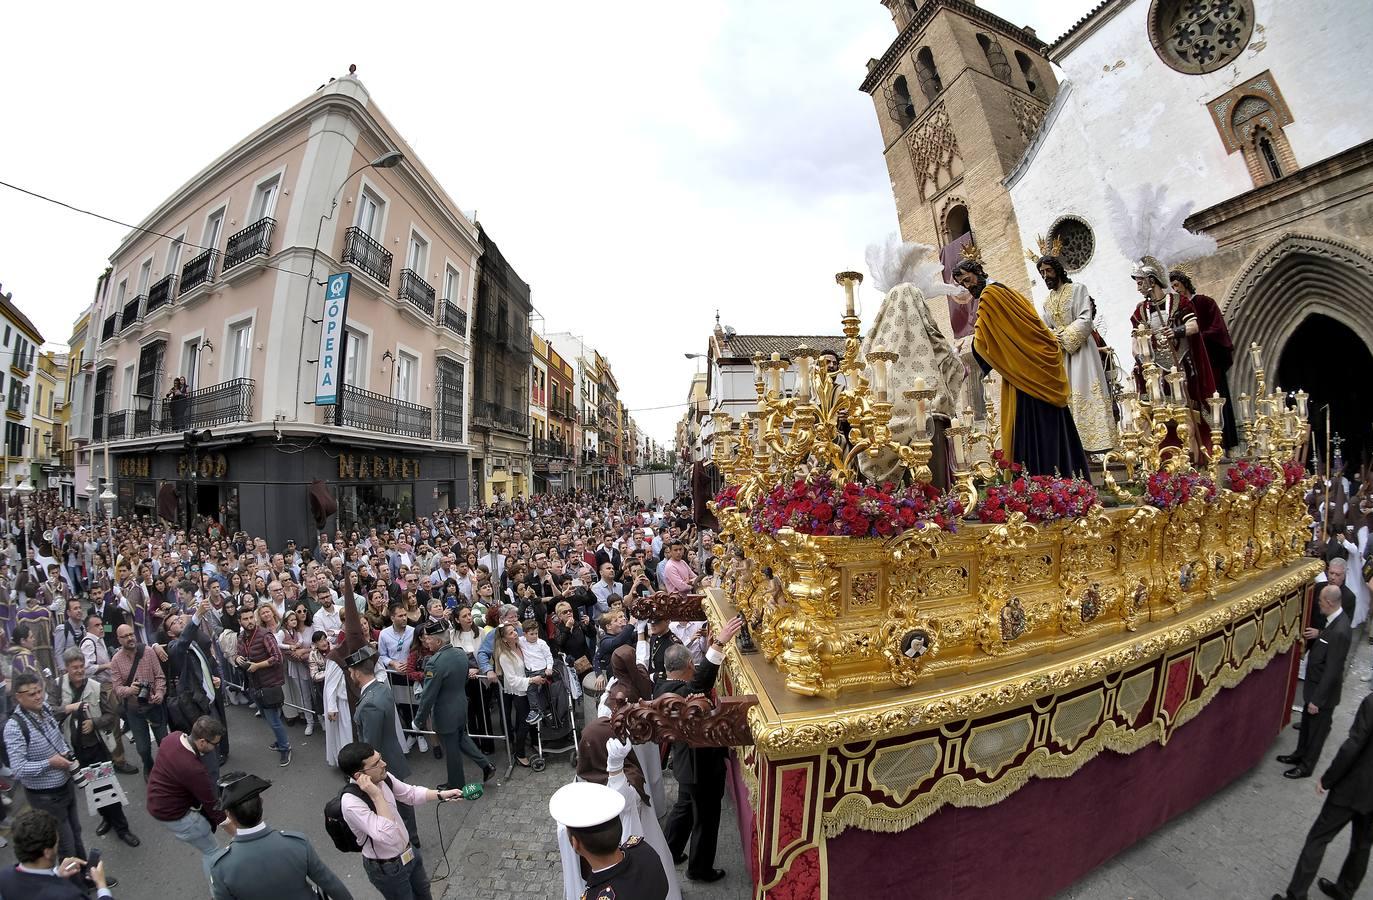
(145, 694)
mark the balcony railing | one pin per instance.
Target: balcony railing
(417, 291)
(198, 271)
(365, 253)
(251, 241)
(129, 317)
(454, 317)
(117, 425)
(373, 412)
(589, 457)
(107, 329)
(98, 427)
(551, 448)
(219, 404)
(161, 293)
(495, 415)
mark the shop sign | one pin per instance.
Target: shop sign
(207, 465)
(135, 466)
(332, 339)
(362, 467)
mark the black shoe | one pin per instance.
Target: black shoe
(125, 769)
(274, 746)
(111, 882)
(285, 757)
(129, 838)
(1297, 772)
(678, 860)
(103, 828)
(707, 878)
(488, 773)
(1331, 889)
(438, 752)
(1289, 759)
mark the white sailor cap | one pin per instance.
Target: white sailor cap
(585, 804)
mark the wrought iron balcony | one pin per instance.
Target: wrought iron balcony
(365, 253)
(129, 317)
(589, 457)
(454, 317)
(161, 294)
(493, 415)
(551, 448)
(98, 427)
(117, 425)
(417, 291)
(107, 329)
(219, 404)
(373, 412)
(198, 271)
(255, 240)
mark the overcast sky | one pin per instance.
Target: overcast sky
(641, 164)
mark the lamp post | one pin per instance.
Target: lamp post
(388, 160)
(107, 498)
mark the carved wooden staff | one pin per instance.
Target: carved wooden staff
(695, 720)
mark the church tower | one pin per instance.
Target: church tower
(959, 96)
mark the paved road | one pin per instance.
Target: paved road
(1240, 843)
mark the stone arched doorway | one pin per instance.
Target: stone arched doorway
(1308, 301)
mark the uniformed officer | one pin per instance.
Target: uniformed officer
(444, 695)
(612, 870)
(262, 862)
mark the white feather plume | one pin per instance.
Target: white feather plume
(1150, 227)
(891, 262)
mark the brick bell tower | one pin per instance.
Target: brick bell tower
(959, 96)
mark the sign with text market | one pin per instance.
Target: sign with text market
(370, 467)
(332, 340)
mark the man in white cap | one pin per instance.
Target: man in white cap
(588, 814)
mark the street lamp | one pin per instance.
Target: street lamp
(90, 497)
(107, 497)
(388, 160)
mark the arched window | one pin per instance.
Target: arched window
(927, 74)
(956, 223)
(996, 57)
(1269, 155)
(1027, 68)
(903, 110)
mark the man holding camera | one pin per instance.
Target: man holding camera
(139, 686)
(43, 761)
(88, 723)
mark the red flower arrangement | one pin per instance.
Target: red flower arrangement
(1245, 474)
(1292, 472)
(1042, 498)
(727, 498)
(1166, 490)
(821, 507)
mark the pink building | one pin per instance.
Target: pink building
(231, 300)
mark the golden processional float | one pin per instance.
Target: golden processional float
(989, 690)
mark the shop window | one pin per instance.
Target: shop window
(368, 505)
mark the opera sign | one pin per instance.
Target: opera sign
(332, 339)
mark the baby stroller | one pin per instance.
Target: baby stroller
(557, 731)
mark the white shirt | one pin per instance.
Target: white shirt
(328, 621)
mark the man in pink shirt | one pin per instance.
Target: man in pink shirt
(678, 577)
(391, 862)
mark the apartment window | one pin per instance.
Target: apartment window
(174, 257)
(119, 293)
(355, 359)
(241, 350)
(190, 363)
(145, 277)
(214, 226)
(126, 392)
(16, 436)
(40, 396)
(407, 367)
(370, 209)
(7, 335)
(265, 199)
(452, 284)
(417, 259)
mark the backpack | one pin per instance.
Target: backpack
(342, 835)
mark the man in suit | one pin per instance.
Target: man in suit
(374, 722)
(1336, 573)
(261, 861)
(1350, 783)
(700, 771)
(39, 875)
(1321, 689)
(444, 696)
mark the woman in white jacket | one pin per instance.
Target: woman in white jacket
(509, 665)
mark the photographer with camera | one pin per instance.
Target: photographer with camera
(40, 875)
(88, 724)
(43, 761)
(140, 687)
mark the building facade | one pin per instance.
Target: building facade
(230, 306)
(586, 433)
(49, 402)
(18, 382)
(562, 447)
(1227, 108)
(501, 463)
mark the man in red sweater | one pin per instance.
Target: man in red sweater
(180, 793)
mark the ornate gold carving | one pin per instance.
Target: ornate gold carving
(864, 591)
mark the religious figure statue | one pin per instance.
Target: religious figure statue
(1069, 312)
(910, 274)
(1175, 336)
(1037, 428)
(1220, 350)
